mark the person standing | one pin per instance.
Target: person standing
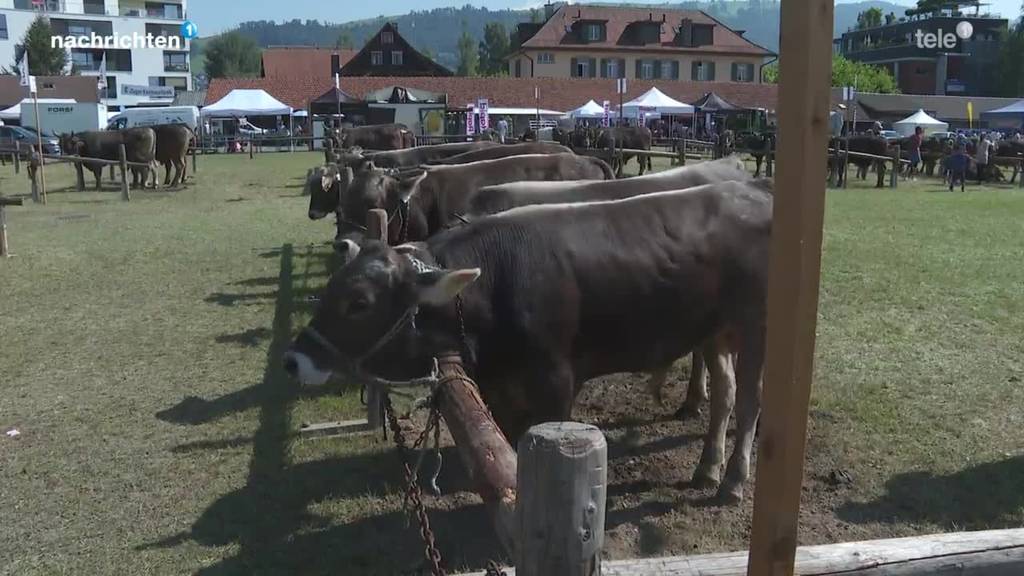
(981, 156)
(957, 164)
(502, 130)
(915, 150)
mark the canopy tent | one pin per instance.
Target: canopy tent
(655, 100)
(589, 110)
(300, 114)
(14, 112)
(403, 95)
(245, 102)
(335, 100)
(499, 111)
(1011, 113)
(712, 102)
(920, 118)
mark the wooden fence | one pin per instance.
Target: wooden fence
(5, 250)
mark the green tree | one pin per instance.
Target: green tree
(493, 50)
(344, 41)
(865, 77)
(466, 50)
(43, 60)
(232, 54)
(870, 18)
(1010, 68)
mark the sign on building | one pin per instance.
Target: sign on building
(470, 119)
(606, 118)
(147, 91)
(485, 123)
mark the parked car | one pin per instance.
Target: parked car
(890, 135)
(28, 139)
(944, 135)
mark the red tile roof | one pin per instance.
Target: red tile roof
(296, 61)
(81, 88)
(554, 32)
(555, 93)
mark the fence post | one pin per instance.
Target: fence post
(562, 483)
(894, 177)
(33, 173)
(377, 229)
(193, 160)
(17, 156)
(113, 178)
(125, 192)
(682, 152)
(3, 232)
(1020, 174)
(250, 147)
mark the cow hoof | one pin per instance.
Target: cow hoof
(687, 413)
(730, 494)
(704, 480)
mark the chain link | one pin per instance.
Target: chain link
(494, 569)
(413, 493)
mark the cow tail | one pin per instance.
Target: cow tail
(609, 174)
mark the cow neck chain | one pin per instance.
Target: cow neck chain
(421, 268)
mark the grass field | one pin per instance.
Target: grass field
(140, 362)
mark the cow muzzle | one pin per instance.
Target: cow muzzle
(316, 214)
(303, 369)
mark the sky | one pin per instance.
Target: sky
(214, 16)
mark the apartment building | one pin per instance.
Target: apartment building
(598, 41)
(148, 76)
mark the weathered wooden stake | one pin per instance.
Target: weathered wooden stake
(125, 192)
(769, 168)
(250, 148)
(377, 229)
(33, 173)
(193, 159)
(485, 453)
(4, 202)
(682, 152)
(17, 156)
(113, 175)
(562, 483)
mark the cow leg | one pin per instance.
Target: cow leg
(179, 172)
(656, 383)
(167, 173)
(880, 168)
(184, 168)
(757, 166)
(98, 174)
(749, 369)
(696, 389)
(723, 398)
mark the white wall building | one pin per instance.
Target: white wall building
(132, 74)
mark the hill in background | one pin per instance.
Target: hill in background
(436, 32)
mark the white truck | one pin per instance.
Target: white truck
(65, 117)
(155, 116)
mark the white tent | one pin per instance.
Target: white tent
(589, 110)
(14, 112)
(241, 102)
(502, 111)
(656, 101)
(920, 118)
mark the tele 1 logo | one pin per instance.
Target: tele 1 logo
(189, 30)
(944, 40)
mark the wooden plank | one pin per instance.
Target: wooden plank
(983, 553)
(326, 429)
(4, 249)
(376, 228)
(793, 280)
(562, 482)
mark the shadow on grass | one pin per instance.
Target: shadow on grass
(269, 519)
(250, 338)
(987, 496)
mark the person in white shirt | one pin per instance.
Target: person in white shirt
(981, 156)
(502, 130)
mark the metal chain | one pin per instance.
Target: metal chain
(466, 355)
(412, 490)
(494, 569)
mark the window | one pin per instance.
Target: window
(546, 58)
(742, 72)
(83, 60)
(179, 84)
(78, 30)
(518, 68)
(613, 68)
(377, 58)
(582, 69)
(703, 71)
(175, 61)
(3, 27)
(111, 92)
(94, 7)
(647, 69)
(592, 32)
(396, 57)
(387, 37)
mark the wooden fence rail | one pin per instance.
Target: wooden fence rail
(4, 203)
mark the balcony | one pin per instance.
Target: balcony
(168, 67)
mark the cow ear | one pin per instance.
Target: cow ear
(409, 187)
(347, 250)
(438, 287)
(327, 178)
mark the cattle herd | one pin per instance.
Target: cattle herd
(165, 144)
(546, 272)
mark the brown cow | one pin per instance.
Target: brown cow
(495, 152)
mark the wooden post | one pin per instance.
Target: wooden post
(41, 195)
(562, 482)
(377, 229)
(33, 173)
(17, 156)
(250, 147)
(682, 152)
(113, 175)
(769, 168)
(125, 192)
(894, 177)
(193, 160)
(1020, 175)
(4, 202)
(846, 165)
(793, 281)
(485, 453)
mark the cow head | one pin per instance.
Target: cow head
(70, 143)
(375, 188)
(327, 186)
(366, 317)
